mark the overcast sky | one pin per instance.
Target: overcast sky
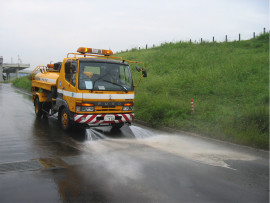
(41, 31)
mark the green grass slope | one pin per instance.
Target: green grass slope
(229, 83)
(23, 82)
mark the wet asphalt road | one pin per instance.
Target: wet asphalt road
(41, 163)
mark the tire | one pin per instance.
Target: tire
(46, 109)
(65, 120)
(38, 108)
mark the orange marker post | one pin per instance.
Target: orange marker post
(192, 105)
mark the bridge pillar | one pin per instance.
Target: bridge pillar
(1, 73)
(17, 72)
(1, 68)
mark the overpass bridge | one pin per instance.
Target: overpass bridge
(11, 68)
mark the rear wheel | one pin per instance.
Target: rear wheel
(65, 120)
(38, 108)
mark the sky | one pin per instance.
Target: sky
(44, 31)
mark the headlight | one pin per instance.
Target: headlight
(127, 108)
(85, 107)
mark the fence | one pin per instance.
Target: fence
(190, 41)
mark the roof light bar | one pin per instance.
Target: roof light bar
(50, 65)
(84, 50)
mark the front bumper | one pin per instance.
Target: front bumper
(98, 119)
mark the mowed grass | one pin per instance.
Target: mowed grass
(23, 82)
(229, 83)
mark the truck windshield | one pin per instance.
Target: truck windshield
(104, 76)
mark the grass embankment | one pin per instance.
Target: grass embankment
(229, 83)
(23, 82)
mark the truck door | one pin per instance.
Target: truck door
(69, 84)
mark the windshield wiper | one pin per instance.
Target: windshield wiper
(123, 87)
(97, 80)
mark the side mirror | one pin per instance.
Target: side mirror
(144, 72)
(138, 69)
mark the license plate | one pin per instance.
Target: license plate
(109, 118)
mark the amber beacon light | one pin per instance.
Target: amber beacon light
(84, 50)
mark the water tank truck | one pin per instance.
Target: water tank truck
(89, 88)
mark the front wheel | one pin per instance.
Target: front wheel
(65, 120)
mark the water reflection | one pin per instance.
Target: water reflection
(93, 184)
(103, 177)
(49, 140)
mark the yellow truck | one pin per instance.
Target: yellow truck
(89, 88)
